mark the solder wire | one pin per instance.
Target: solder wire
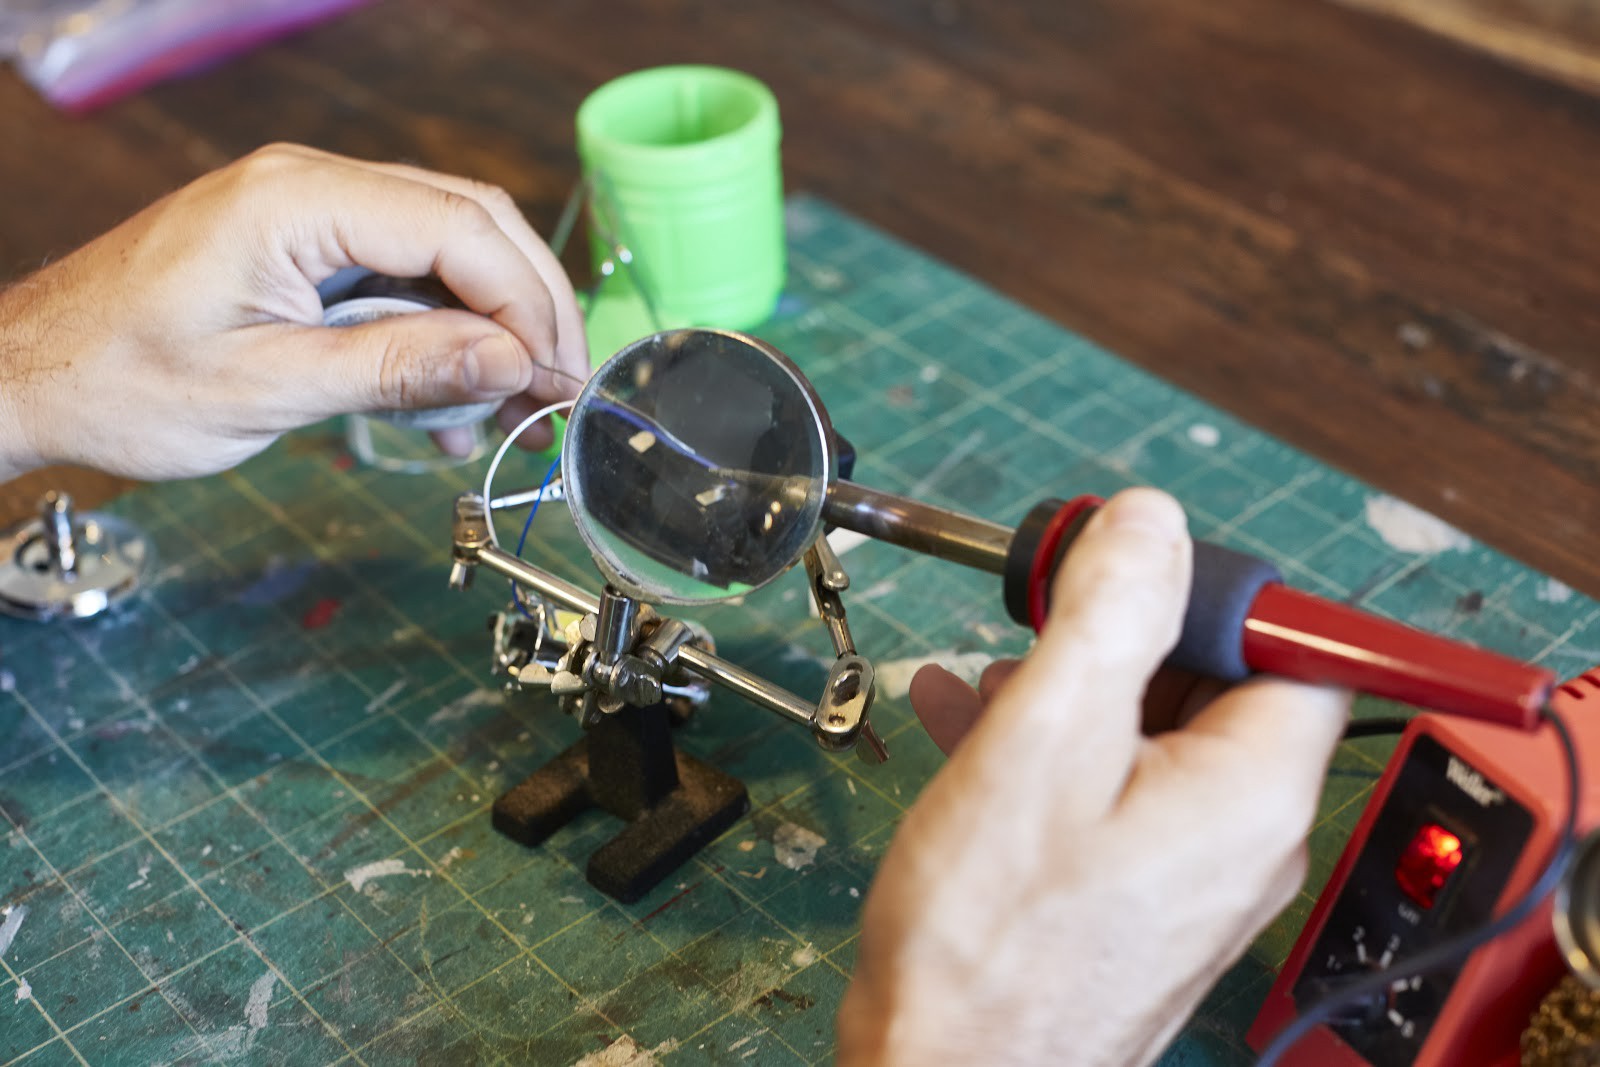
(500, 454)
(516, 590)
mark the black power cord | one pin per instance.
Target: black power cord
(1451, 951)
(1375, 727)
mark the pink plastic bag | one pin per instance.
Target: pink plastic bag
(81, 55)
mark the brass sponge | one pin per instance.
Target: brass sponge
(1565, 1031)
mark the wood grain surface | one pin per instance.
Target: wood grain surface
(1557, 38)
(1371, 239)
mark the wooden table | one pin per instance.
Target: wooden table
(1372, 240)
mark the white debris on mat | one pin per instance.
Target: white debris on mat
(894, 677)
(144, 875)
(458, 709)
(1551, 591)
(1407, 528)
(237, 1042)
(14, 914)
(842, 541)
(795, 846)
(358, 877)
(1205, 435)
(382, 699)
(626, 1052)
(255, 1009)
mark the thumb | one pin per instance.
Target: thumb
(1070, 713)
(1119, 599)
(425, 360)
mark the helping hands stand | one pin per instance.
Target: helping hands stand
(622, 672)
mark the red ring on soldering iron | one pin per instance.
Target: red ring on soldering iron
(1044, 556)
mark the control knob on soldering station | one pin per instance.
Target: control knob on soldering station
(1406, 1000)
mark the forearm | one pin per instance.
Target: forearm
(20, 449)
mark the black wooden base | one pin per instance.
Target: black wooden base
(673, 803)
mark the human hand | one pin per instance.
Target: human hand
(1066, 889)
(189, 338)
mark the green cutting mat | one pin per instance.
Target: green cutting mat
(248, 820)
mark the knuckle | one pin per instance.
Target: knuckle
(270, 160)
(278, 150)
(406, 376)
(463, 210)
(260, 177)
(495, 199)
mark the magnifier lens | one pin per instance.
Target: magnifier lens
(696, 463)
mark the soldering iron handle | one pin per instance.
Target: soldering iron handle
(1242, 620)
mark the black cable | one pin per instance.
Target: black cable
(1375, 727)
(1452, 951)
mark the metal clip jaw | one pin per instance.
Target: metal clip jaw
(469, 535)
(841, 720)
(846, 699)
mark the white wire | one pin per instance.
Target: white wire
(505, 446)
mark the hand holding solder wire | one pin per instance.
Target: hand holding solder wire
(189, 338)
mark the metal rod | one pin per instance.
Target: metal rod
(933, 531)
(59, 537)
(752, 687)
(545, 584)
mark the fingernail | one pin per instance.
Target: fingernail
(496, 366)
(1147, 510)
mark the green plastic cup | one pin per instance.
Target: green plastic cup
(683, 165)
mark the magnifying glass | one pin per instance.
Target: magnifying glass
(701, 464)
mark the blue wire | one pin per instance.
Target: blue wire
(516, 590)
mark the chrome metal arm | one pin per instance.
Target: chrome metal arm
(472, 548)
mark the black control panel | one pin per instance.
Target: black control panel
(1436, 859)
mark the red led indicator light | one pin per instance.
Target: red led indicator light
(1427, 863)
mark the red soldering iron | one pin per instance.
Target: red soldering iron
(1241, 620)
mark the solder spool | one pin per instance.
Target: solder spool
(380, 297)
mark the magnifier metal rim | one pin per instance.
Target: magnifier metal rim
(576, 487)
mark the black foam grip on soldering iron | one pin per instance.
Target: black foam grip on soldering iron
(1223, 588)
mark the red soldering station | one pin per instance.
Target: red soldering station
(1470, 825)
